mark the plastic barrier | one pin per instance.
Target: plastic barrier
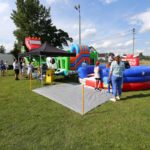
(49, 76)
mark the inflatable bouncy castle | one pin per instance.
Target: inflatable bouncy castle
(82, 54)
(64, 65)
(134, 78)
(70, 65)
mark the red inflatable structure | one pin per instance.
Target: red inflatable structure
(32, 42)
(132, 59)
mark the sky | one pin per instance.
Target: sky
(105, 24)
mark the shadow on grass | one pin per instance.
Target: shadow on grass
(67, 79)
(135, 96)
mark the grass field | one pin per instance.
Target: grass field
(144, 62)
(31, 122)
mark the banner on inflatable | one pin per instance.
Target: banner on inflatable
(32, 42)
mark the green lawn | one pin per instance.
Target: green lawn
(144, 62)
(31, 122)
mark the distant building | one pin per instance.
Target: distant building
(7, 57)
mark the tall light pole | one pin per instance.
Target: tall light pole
(133, 30)
(77, 7)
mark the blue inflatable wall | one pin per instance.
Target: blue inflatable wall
(133, 74)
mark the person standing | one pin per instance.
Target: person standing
(30, 69)
(16, 69)
(110, 59)
(20, 62)
(116, 76)
(6, 66)
(22, 68)
(97, 76)
(3, 68)
(84, 64)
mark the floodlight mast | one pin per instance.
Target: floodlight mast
(77, 7)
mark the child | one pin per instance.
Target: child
(97, 75)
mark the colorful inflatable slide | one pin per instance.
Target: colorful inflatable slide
(70, 65)
(82, 54)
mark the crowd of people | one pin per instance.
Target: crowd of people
(115, 79)
(22, 69)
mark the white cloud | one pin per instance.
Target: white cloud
(56, 1)
(8, 45)
(88, 33)
(6, 27)
(113, 45)
(128, 43)
(3, 7)
(147, 42)
(88, 29)
(7, 38)
(84, 26)
(108, 1)
(143, 20)
(106, 43)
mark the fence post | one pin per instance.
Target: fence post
(82, 98)
(30, 81)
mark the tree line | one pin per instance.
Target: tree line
(33, 19)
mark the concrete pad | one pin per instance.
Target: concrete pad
(70, 96)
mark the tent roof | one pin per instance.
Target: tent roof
(47, 50)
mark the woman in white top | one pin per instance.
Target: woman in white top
(30, 68)
(16, 69)
(97, 76)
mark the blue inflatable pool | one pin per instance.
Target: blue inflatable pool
(134, 78)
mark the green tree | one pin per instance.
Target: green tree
(15, 50)
(33, 19)
(2, 49)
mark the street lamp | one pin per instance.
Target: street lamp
(77, 7)
(133, 30)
